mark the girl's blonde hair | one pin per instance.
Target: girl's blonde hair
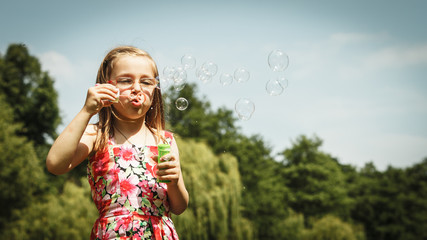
(154, 119)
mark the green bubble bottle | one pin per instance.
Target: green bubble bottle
(163, 149)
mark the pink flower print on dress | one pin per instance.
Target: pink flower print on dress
(127, 157)
(123, 225)
(100, 165)
(111, 234)
(104, 204)
(153, 150)
(129, 190)
(169, 137)
(116, 151)
(99, 185)
(146, 193)
(151, 169)
(113, 177)
(161, 193)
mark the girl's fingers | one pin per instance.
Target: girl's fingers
(167, 158)
(100, 96)
(169, 168)
(107, 89)
(171, 176)
(168, 164)
(169, 171)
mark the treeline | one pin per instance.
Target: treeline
(309, 194)
(237, 189)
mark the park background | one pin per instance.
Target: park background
(343, 145)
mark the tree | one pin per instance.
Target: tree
(68, 216)
(392, 204)
(332, 228)
(290, 228)
(30, 93)
(215, 188)
(315, 180)
(200, 122)
(264, 193)
(21, 176)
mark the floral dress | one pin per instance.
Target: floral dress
(131, 203)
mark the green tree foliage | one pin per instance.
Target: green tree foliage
(199, 121)
(392, 204)
(68, 216)
(21, 176)
(332, 228)
(263, 193)
(215, 190)
(30, 93)
(315, 180)
(290, 228)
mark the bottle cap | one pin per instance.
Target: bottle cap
(163, 147)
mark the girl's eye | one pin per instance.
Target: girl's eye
(147, 81)
(124, 81)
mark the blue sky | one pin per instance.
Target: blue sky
(357, 70)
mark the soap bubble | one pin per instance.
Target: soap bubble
(274, 88)
(168, 73)
(178, 76)
(244, 108)
(179, 85)
(164, 83)
(181, 104)
(203, 75)
(188, 61)
(210, 68)
(278, 60)
(226, 79)
(283, 81)
(241, 75)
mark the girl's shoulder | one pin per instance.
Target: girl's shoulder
(167, 134)
(90, 135)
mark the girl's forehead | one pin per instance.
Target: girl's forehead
(131, 59)
(133, 64)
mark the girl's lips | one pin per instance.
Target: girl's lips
(136, 103)
(137, 100)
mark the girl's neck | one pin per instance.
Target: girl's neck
(130, 127)
(135, 133)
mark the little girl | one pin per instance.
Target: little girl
(122, 150)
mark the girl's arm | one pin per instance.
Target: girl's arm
(177, 193)
(72, 146)
(76, 141)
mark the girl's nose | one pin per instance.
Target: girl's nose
(136, 86)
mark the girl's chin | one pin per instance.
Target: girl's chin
(133, 113)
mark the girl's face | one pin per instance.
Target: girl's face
(134, 77)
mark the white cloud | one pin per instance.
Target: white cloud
(397, 57)
(71, 80)
(58, 67)
(348, 38)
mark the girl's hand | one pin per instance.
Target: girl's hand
(169, 168)
(99, 96)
